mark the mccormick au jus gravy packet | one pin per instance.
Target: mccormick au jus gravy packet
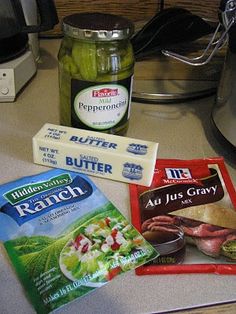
(189, 215)
(65, 238)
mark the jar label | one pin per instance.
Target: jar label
(100, 106)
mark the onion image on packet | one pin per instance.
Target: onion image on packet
(65, 238)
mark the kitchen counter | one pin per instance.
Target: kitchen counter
(183, 131)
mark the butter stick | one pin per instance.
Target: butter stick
(95, 153)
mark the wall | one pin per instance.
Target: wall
(135, 10)
(142, 11)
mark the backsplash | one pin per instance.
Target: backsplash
(140, 11)
(135, 10)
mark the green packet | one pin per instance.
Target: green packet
(65, 238)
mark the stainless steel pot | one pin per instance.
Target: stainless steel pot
(224, 111)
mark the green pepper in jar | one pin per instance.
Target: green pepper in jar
(65, 85)
(127, 57)
(65, 48)
(84, 56)
(102, 59)
(114, 61)
(69, 65)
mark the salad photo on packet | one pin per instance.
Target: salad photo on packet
(65, 238)
(189, 215)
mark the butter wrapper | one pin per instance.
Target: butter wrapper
(95, 153)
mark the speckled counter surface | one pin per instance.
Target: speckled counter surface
(183, 131)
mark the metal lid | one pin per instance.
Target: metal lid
(97, 26)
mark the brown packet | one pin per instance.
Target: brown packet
(188, 214)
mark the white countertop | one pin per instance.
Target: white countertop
(183, 131)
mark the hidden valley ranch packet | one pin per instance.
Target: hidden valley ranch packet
(65, 238)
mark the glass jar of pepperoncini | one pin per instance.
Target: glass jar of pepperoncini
(96, 65)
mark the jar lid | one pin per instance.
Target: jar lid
(97, 26)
